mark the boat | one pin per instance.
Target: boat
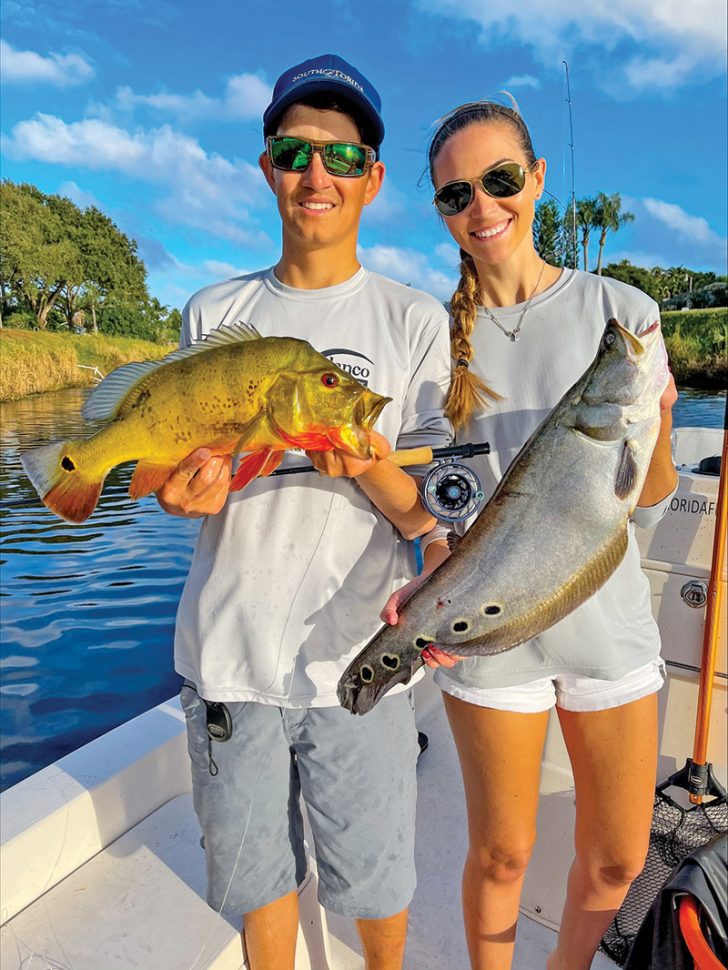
(101, 866)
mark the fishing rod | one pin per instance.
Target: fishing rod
(567, 99)
(450, 490)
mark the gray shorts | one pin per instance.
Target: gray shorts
(357, 778)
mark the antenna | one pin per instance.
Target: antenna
(572, 201)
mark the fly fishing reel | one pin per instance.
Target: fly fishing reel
(451, 491)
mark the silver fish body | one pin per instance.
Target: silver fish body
(551, 535)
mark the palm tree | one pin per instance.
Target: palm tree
(586, 212)
(608, 217)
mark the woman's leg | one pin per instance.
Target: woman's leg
(614, 759)
(500, 759)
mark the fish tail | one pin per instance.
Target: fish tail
(63, 486)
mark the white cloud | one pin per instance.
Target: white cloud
(26, 67)
(203, 190)
(245, 96)
(693, 228)
(408, 266)
(74, 192)
(522, 81)
(219, 270)
(678, 41)
(449, 254)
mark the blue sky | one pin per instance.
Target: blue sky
(152, 113)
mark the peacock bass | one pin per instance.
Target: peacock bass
(233, 392)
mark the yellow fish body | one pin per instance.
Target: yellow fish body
(236, 391)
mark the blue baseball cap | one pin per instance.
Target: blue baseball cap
(326, 73)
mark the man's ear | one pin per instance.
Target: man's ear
(374, 183)
(267, 170)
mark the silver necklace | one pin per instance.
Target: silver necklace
(514, 334)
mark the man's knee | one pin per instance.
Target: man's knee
(501, 864)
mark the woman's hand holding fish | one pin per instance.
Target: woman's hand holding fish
(436, 553)
(198, 486)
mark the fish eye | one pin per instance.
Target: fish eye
(329, 380)
(609, 339)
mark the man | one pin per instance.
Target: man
(288, 577)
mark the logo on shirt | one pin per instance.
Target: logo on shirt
(351, 362)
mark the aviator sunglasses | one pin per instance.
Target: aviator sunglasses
(342, 158)
(500, 182)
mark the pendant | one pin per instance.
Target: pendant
(513, 335)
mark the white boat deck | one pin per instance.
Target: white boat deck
(138, 899)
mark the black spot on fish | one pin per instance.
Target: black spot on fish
(389, 661)
(142, 399)
(367, 674)
(67, 464)
(422, 642)
(460, 626)
(491, 609)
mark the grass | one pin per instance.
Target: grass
(32, 361)
(697, 344)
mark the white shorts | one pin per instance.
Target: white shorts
(567, 691)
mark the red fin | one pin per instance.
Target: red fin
(308, 440)
(148, 478)
(74, 499)
(257, 465)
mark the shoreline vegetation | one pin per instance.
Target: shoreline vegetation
(32, 362)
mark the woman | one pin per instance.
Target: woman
(522, 332)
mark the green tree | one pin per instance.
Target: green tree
(35, 252)
(569, 237)
(548, 232)
(586, 213)
(608, 217)
(634, 275)
(57, 259)
(106, 264)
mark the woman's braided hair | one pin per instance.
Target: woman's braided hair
(467, 390)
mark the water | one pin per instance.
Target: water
(88, 610)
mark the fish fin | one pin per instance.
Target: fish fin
(119, 391)
(256, 465)
(67, 491)
(626, 472)
(148, 478)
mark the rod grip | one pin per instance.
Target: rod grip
(411, 456)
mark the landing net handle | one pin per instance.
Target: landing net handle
(699, 774)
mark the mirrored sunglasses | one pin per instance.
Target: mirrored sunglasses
(500, 182)
(342, 158)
